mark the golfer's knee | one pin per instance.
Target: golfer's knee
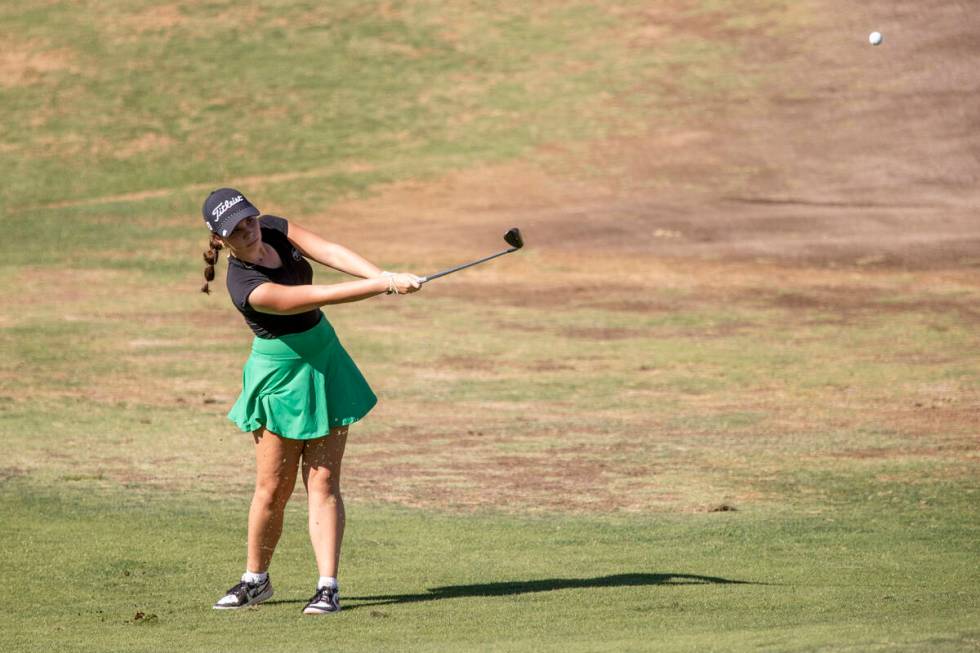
(272, 494)
(324, 482)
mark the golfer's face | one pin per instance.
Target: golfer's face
(245, 234)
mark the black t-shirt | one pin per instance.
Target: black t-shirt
(244, 277)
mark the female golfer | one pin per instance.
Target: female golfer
(301, 390)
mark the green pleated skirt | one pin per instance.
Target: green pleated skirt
(301, 385)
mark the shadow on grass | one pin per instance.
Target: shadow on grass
(530, 586)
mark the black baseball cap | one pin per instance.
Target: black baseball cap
(226, 207)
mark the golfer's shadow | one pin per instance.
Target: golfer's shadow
(512, 588)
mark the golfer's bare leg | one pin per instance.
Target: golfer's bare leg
(321, 476)
(276, 463)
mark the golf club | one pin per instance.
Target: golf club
(512, 237)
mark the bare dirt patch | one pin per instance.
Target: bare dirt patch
(820, 166)
(159, 17)
(27, 62)
(165, 18)
(474, 473)
(807, 296)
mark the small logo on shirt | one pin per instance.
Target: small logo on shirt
(219, 210)
(296, 255)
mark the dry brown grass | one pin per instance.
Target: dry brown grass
(661, 450)
(643, 228)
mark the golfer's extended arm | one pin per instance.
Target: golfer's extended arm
(332, 255)
(289, 300)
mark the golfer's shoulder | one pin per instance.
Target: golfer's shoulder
(241, 280)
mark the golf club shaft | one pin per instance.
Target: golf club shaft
(467, 265)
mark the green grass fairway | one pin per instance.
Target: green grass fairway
(112, 571)
(580, 447)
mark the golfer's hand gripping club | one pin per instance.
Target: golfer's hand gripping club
(512, 237)
(402, 283)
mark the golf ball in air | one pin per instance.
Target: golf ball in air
(875, 38)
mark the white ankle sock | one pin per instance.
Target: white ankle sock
(254, 577)
(327, 581)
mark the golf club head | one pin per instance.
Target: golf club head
(513, 238)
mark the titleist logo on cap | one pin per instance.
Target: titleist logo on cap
(219, 210)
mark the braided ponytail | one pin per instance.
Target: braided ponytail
(210, 257)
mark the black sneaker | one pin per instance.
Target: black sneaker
(245, 594)
(326, 599)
